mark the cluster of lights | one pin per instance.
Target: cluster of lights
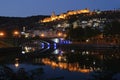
(15, 33)
(59, 34)
(64, 16)
(61, 41)
(17, 62)
(63, 65)
(57, 51)
(27, 49)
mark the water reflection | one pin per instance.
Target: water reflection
(104, 63)
(17, 62)
(84, 61)
(68, 66)
(100, 64)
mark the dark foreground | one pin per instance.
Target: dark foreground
(63, 63)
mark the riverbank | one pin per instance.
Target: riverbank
(88, 46)
(10, 50)
(4, 44)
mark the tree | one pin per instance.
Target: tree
(82, 33)
(112, 29)
(76, 34)
(91, 32)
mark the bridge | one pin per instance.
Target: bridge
(32, 44)
(40, 44)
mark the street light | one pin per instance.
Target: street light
(59, 34)
(65, 35)
(15, 33)
(2, 34)
(42, 35)
(87, 40)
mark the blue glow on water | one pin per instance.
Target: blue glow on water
(55, 46)
(65, 42)
(43, 45)
(48, 44)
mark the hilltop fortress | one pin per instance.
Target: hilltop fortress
(54, 17)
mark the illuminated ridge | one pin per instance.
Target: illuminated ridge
(64, 15)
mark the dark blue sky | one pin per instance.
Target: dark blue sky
(23, 8)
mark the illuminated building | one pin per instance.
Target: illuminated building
(64, 15)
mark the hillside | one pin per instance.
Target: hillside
(9, 23)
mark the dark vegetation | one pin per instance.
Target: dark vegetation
(16, 23)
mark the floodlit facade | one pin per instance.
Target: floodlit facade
(64, 15)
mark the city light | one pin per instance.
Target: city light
(42, 35)
(59, 34)
(87, 40)
(56, 40)
(65, 35)
(16, 63)
(2, 34)
(16, 33)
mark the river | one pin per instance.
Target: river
(63, 64)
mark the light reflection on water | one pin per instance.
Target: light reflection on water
(69, 64)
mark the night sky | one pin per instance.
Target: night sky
(24, 8)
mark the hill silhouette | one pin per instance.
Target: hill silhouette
(9, 23)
